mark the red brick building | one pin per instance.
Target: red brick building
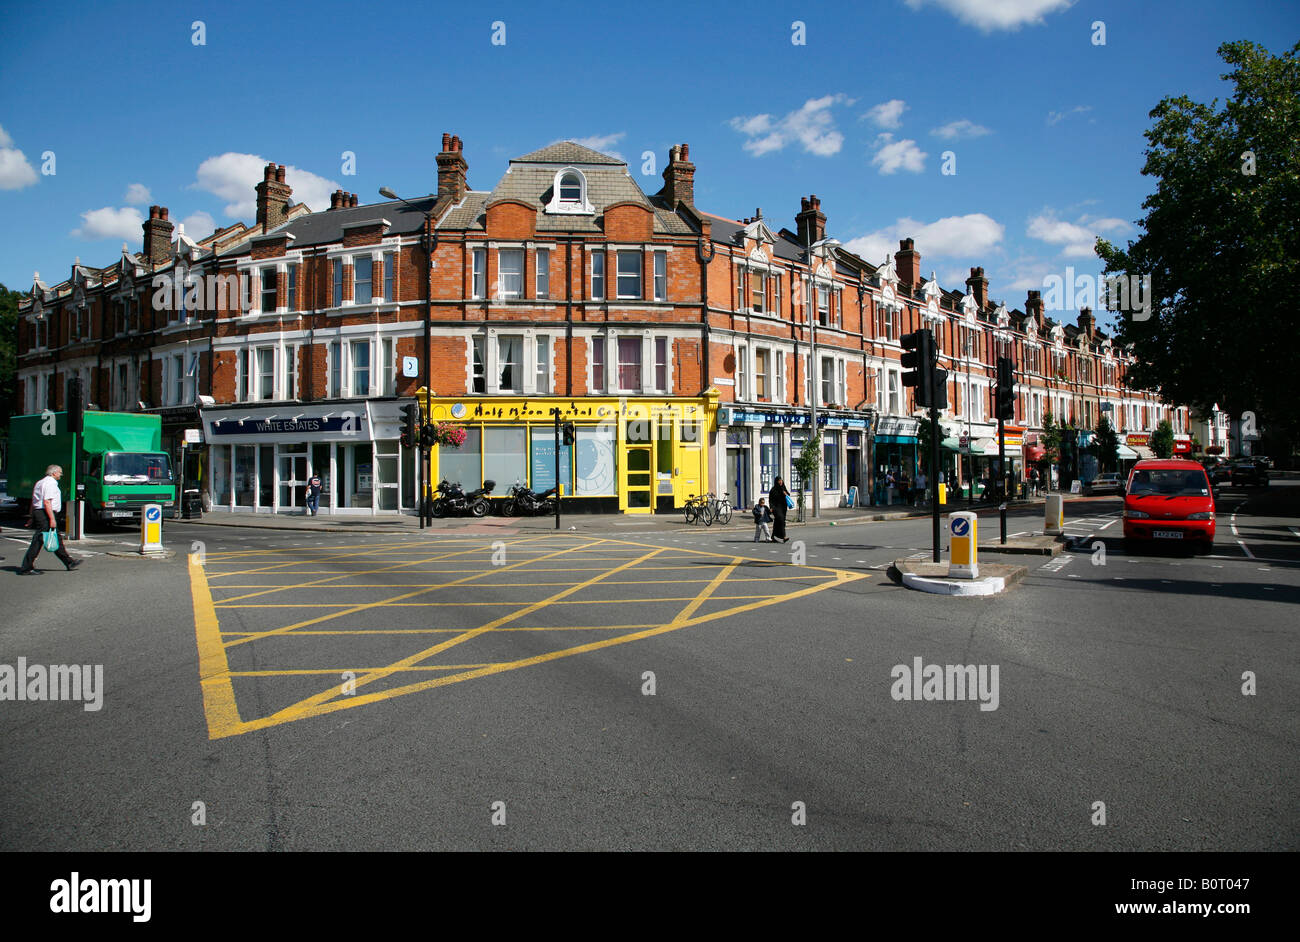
(679, 342)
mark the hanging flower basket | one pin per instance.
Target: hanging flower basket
(448, 434)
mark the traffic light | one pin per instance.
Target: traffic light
(1005, 406)
(938, 389)
(410, 425)
(426, 436)
(76, 405)
(568, 433)
(919, 363)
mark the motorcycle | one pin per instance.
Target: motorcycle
(453, 501)
(523, 501)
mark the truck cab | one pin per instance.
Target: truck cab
(119, 483)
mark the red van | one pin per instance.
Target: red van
(1169, 499)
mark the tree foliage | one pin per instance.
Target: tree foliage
(1221, 244)
(8, 353)
(809, 460)
(1162, 440)
(1106, 445)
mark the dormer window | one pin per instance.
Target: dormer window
(569, 193)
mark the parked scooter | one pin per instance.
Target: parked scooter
(523, 501)
(452, 501)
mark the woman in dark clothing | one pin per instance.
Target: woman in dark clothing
(776, 501)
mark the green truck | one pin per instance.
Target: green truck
(125, 466)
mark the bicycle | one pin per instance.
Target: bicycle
(698, 509)
(721, 508)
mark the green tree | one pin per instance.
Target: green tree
(1051, 439)
(1162, 440)
(807, 464)
(8, 353)
(1106, 445)
(1220, 245)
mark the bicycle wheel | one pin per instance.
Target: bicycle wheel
(706, 515)
(691, 512)
(724, 512)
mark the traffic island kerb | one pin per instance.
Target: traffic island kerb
(994, 578)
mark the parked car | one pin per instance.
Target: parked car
(8, 505)
(1169, 499)
(1108, 483)
(1218, 469)
(1248, 472)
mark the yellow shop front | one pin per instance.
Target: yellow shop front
(636, 455)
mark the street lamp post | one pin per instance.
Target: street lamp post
(426, 241)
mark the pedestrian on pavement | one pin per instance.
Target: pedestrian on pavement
(1033, 481)
(313, 494)
(762, 522)
(46, 504)
(778, 499)
(919, 494)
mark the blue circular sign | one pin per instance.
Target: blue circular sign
(960, 526)
(458, 410)
(153, 513)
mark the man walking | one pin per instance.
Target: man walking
(313, 494)
(46, 503)
(762, 521)
(777, 498)
(918, 496)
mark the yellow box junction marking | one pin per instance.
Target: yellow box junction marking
(216, 676)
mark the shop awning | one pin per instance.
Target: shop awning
(1036, 452)
(1126, 453)
(951, 444)
(1142, 451)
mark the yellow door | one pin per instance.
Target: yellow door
(689, 477)
(638, 478)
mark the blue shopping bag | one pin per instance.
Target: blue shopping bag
(789, 502)
(51, 539)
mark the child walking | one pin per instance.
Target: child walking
(762, 522)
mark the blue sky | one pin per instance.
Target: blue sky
(1045, 125)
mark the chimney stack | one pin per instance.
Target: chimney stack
(679, 177)
(1034, 307)
(157, 235)
(907, 262)
(452, 170)
(336, 199)
(978, 285)
(811, 221)
(1087, 323)
(272, 198)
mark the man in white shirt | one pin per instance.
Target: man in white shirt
(47, 501)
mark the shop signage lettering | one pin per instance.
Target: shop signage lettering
(274, 426)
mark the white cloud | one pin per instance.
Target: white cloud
(1027, 274)
(1056, 117)
(1076, 238)
(952, 237)
(232, 177)
(989, 15)
(601, 142)
(199, 225)
(108, 223)
(956, 130)
(893, 155)
(887, 114)
(15, 171)
(811, 126)
(137, 194)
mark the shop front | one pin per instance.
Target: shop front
(894, 448)
(761, 446)
(634, 455)
(182, 439)
(260, 459)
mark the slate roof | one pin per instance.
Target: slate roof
(567, 152)
(326, 226)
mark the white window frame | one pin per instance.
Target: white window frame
(598, 261)
(255, 368)
(289, 379)
(542, 374)
(778, 373)
(572, 207)
(639, 256)
(666, 363)
(599, 377)
(388, 367)
(504, 293)
(478, 274)
(542, 274)
(350, 373)
(616, 341)
(520, 368)
(660, 277)
(356, 280)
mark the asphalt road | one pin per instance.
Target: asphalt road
(515, 669)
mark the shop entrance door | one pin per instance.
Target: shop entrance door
(738, 476)
(293, 478)
(640, 480)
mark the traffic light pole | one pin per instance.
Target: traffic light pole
(1002, 467)
(934, 477)
(556, 413)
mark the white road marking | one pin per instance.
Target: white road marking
(1111, 524)
(1245, 549)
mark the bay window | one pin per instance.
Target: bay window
(629, 364)
(268, 290)
(265, 380)
(510, 363)
(363, 274)
(359, 351)
(597, 364)
(479, 367)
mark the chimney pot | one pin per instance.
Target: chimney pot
(279, 174)
(446, 140)
(162, 211)
(686, 152)
(908, 263)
